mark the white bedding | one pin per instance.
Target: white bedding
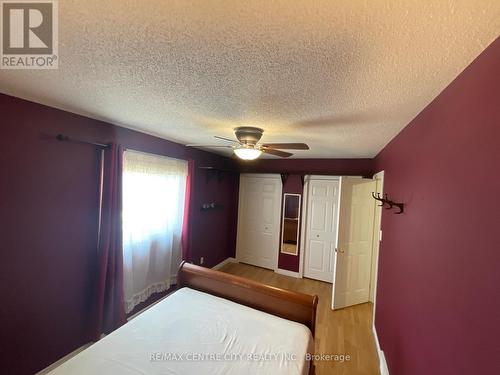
(173, 336)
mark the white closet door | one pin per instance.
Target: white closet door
(259, 215)
(321, 229)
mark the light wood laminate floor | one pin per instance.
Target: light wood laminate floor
(344, 331)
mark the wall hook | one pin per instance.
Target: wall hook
(383, 200)
(388, 202)
(401, 207)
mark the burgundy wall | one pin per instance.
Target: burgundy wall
(293, 184)
(333, 167)
(48, 226)
(214, 230)
(438, 298)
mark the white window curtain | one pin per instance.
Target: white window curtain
(153, 210)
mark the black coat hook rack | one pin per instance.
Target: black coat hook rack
(390, 204)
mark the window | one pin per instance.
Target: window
(153, 210)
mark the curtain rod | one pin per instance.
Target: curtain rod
(61, 137)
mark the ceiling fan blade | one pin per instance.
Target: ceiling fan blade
(287, 146)
(279, 153)
(226, 139)
(196, 145)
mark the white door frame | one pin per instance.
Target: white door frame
(268, 176)
(303, 220)
(377, 237)
(305, 192)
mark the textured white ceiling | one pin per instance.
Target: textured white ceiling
(343, 76)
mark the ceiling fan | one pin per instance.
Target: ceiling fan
(247, 147)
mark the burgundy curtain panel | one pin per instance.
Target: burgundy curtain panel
(186, 230)
(110, 309)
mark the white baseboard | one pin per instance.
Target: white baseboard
(287, 273)
(67, 357)
(384, 370)
(223, 263)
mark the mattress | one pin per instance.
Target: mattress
(191, 332)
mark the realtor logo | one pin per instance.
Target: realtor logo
(29, 34)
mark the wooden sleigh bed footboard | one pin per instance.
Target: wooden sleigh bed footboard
(286, 304)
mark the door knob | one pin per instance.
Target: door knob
(339, 251)
(317, 235)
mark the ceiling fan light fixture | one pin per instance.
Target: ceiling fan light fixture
(248, 147)
(247, 153)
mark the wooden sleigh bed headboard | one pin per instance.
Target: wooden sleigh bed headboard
(286, 304)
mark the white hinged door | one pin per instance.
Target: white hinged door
(355, 241)
(259, 215)
(321, 229)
